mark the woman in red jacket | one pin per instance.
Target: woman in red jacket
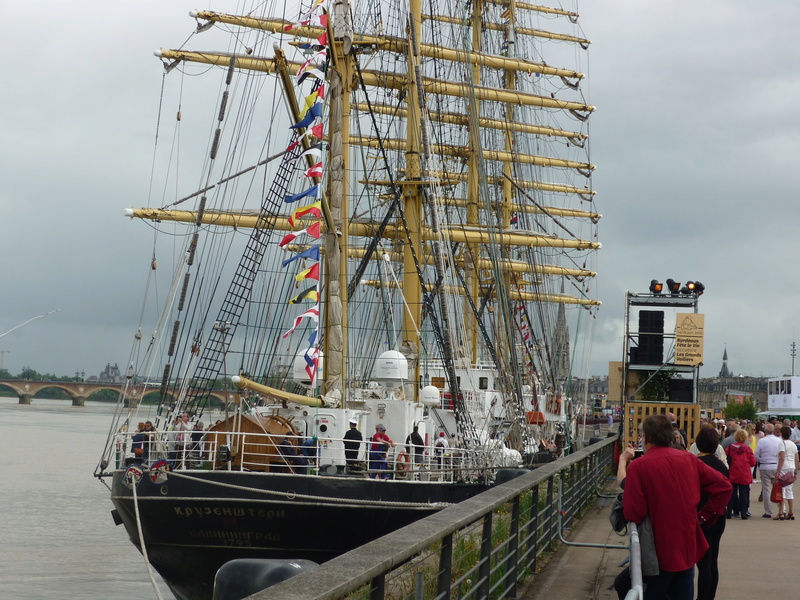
(741, 461)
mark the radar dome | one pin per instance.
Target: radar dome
(430, 396)
(391, 366)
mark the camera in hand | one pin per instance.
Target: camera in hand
(637, 454)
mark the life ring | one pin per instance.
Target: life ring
(553, 404)
(403, 461)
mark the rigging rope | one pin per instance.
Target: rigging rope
(142, 546)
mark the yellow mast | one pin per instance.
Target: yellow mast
(475, 185)
(412, 197)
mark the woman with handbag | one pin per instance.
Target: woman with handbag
(787, 474)
(741, 461)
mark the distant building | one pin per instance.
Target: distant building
(110, 374)
(594, 390)
(715, 392)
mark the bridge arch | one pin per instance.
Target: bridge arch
(77, 391)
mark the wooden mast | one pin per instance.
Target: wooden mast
(340, 70)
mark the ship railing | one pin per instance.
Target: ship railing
(482, 547)
(246, 451)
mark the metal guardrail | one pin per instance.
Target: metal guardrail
(478, 549)
(637, 587)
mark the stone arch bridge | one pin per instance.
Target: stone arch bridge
(80, 391)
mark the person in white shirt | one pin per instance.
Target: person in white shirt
(795, 435)
(767, 457)
(787, 452)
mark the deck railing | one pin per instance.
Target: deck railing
(246, 451)
(478, 549)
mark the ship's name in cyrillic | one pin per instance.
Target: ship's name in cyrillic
(235, 538)
(207, 511)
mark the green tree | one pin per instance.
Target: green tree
(30, 374)
(656, 386)
(745, 410)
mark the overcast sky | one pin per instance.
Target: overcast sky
(695, 139)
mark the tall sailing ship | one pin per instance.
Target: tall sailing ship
(391, 227)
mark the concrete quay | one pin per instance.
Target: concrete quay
(755, 554)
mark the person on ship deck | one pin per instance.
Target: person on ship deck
(377, 452)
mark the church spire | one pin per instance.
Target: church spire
(725, 371)
(561, 366)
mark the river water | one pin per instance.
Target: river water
(57, 537)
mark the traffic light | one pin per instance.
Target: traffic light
(673, 287)
(656, 287)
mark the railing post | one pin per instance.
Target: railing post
(586, 481)
(376, 587)
(552, 524)
(419, 587)
(445, 568)
(569, 500)
(486, 558)
(513, 550)
(533, 529)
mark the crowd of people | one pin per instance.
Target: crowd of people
(409, 458)
(182, 443)
(378, 456)
(682, 503)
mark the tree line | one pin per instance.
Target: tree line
(30, 374)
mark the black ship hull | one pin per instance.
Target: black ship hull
(196, 521)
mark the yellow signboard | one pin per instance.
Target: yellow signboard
(689, 338)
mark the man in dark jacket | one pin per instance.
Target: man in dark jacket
(414, 441)
(352, 444)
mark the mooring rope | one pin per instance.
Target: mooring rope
(141, 542)
(326, 499)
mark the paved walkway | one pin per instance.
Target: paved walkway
(755, 554)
